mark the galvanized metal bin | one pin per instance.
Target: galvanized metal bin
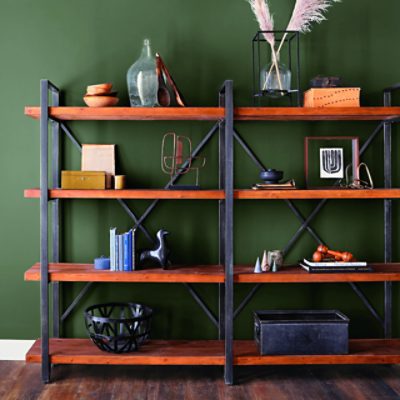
(301, 332)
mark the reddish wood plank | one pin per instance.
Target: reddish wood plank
(129, 194)
(315, 114)
(361, 351)
(130, 113)
(155, 352)
(249, 194)
(69, 272)
(295, 274)
(215, 113)
(240, 194)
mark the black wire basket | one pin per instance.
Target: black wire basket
(118, 327)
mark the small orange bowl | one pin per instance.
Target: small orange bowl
(100, 101)
(102, 88)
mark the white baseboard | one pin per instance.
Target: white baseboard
(14, 349)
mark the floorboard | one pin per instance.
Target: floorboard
(95, 382)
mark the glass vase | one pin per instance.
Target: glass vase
(275, 79)
(142, 79)
(276, 68)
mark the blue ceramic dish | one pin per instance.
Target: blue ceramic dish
(271, 176)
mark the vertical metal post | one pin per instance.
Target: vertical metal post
(221, 222)
(44, 261)
(228, 232)
(299, 94)
(56, 212)
(387, 159)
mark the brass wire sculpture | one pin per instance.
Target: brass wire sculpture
(177, 159)
(357, 183)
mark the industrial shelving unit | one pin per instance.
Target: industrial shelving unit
(224, 351)
(60, 350)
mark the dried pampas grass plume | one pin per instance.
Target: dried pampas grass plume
(265, 21)
(264, 18)
(306, 12)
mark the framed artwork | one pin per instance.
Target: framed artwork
(326, 159)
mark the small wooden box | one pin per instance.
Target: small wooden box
(332, 97)
(83, 180)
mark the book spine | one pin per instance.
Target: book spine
(116, 253)
(127, 251)
(339, 270)
(112, 248)
(133, 251)
(121, 252)
(335, 264)
(335, 270)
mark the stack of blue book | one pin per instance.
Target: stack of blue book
(122, 250)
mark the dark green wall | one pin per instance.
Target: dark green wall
(76, 43)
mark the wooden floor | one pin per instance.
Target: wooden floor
(20, 381)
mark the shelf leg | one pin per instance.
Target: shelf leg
(387, 138)
(55, 220)
(387, 157)
(44, 284)
(228, 225)
(221, 226)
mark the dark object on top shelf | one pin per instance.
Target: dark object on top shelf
(301, 332)
(271, 176)
(118, 327)
(325, 82)
(170, 83)
(159, 254)
(276, 74)
(163, 96)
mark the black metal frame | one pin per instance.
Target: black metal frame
(291, 39)
(386, 321)
(225, 218)
(227, 135)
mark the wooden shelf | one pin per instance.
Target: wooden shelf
(361, 351)
(250, 194)
(315, 114)
(210, 352)
(155, 352)
(296, 274)
(239, 194)
(129, 194)
(216, 113)
(130, 113)
(68, 272)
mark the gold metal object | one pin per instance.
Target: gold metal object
(119, 182)
(357, 183)
(83, 180)
(176, 157)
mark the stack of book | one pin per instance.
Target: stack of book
(335, 266)
(122, 250)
